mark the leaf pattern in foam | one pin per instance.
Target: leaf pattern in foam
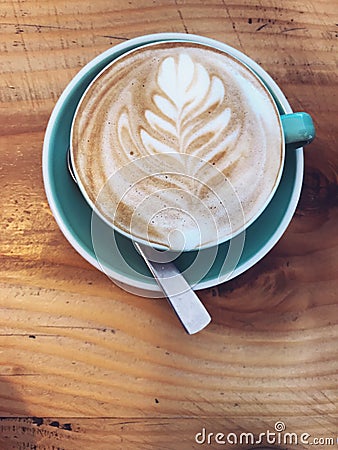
(186, 91)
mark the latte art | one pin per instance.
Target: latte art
(177, 136)
(185, 91)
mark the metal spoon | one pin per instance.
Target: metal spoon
(187, 306)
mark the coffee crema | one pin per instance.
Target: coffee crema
(177, 144)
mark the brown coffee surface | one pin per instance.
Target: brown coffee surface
(178, 144)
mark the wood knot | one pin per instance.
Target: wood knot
(319, 193)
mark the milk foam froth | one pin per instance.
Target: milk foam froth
(177, 136)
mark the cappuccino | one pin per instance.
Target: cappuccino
(177, 144)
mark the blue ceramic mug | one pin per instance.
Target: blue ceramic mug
(126, 133)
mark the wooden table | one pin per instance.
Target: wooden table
(84, 364)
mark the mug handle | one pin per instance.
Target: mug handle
(298, 129)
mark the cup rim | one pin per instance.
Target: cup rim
(141, 240)
(148, 288)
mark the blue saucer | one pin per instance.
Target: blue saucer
(117, 257)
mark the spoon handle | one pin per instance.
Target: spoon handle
(187, 306)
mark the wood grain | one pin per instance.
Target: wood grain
(84, 363)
